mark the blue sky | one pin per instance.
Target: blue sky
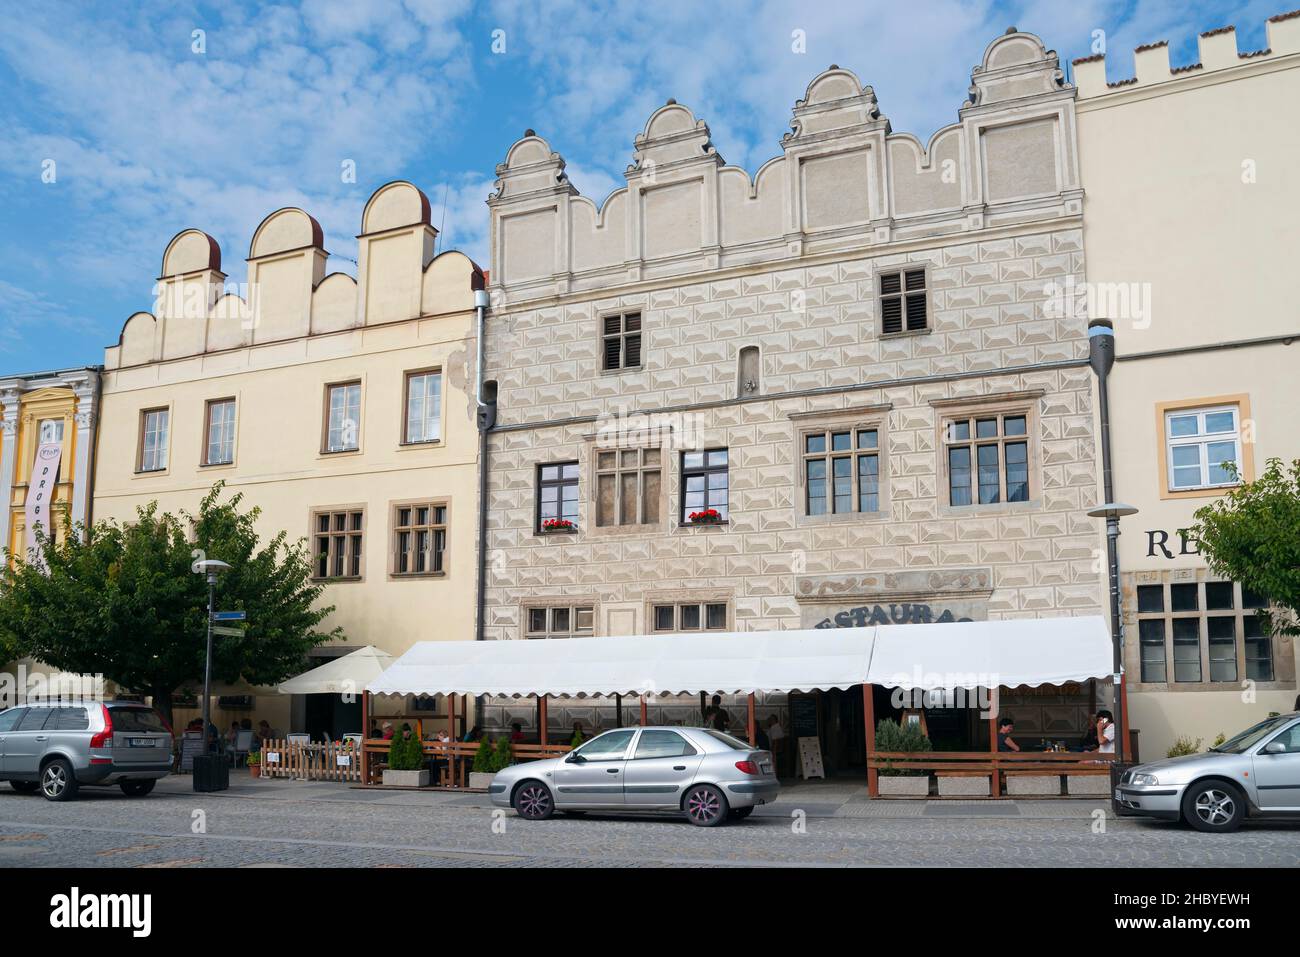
(148, 136)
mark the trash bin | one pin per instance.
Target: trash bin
(1117, 771)
(211, 773)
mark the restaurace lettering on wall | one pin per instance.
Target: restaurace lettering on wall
(904, 614)
(1159, 538)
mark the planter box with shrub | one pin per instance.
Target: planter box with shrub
(912, 786)
(406, 779)
(406, 762)
(901, 780)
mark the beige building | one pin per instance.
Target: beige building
(1189, 226)
(849, 358)
(342, 408)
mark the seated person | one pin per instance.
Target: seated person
(1005, 741)
(516, 733)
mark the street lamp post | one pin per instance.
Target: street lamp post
(1101, 357)
(211, 567)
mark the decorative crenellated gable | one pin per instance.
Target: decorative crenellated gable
(288, 294)
(844, 181)
(1217, 49)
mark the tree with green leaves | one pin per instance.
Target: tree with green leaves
(1252, 535)
(124, 600)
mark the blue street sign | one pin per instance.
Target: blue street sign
(228, 616)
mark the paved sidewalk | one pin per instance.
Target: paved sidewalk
(817, 799)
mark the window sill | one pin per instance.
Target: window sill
(841, 518)
(1199, 491)
(991, 508)
(216, 465)
(904, 333)
(145, 473)
(430, 444)
(623, 370)
(348, 579)
(331, 453)
(405, 576)
(538, 533)
(694, 525)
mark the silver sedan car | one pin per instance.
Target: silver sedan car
(1256, 773)
(709, 776)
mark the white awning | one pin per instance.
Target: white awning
(347, 674)
(727, 663)
(983, 654)
(948, 655)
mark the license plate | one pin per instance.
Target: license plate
(1118, 796)
(766, 767)
(141, 743)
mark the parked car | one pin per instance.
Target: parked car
(1256, 773)
(60, 747)
(704, 774)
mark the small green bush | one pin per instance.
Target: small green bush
(1184, 745)
(405, 754)
(891, 736)
(1219, 740)
(484, 758)
(504, 756)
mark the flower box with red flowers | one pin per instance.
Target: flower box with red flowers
(710, 516)
(558, 525)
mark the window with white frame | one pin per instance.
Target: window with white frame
(50, 432)
(1203, 447)
(343, 417)
(691, 616)
(423, 407)
(154, 427)
(560, 621)
(219, 448)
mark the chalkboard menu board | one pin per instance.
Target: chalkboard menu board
(803, 716)
(191, 744)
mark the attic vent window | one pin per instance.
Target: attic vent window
(903, 302)
(622, 342)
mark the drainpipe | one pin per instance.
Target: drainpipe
(485, 414)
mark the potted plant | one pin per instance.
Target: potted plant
(708, 516)
(505, 755)
(558, 525)
(406, 764)
(902, 781)
(484, 766)
(254, 764)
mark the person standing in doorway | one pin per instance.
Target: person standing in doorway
(716, 716)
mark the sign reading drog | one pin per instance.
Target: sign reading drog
(40, 488)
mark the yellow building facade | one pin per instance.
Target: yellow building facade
(42, 409)
(343, 408)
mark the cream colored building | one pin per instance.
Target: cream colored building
(342, 408)
(1190, 231)
(820, 353)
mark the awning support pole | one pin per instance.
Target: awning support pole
(995, 779)
(1123, 717)
(365, 733)
(753, 730)
(541, 720)
(451, 738)
(644, 719)
(869, 734)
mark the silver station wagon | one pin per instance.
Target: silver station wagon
(708, 776)
(1256, 773)
(59, 747)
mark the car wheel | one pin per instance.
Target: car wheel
(136, 789)
(705, 806)
(24, 787)
(740, 813)
(533, 801)
(1214, 807)
(58, 783)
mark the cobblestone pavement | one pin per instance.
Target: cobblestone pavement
(282, 823)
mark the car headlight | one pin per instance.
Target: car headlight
(1145, 780)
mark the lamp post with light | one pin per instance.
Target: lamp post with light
(1101, 357)
(211, 567)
